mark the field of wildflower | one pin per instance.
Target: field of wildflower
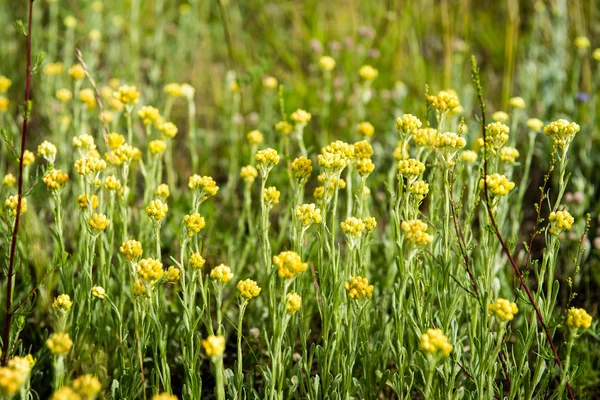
(310, 199)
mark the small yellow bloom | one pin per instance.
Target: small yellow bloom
(193, 224)
(90, 165)
(47, 150)
(84, 141)
(435, 343)
(368, 73)
(99, 222)
(301, 117)
(4, 104)
(302, 168)
(416, 232)
(64, 95)
(172, 274)
(77, 72)
(214, 346)
(358, 288)
(449, 141)
(271, 196)
(9, 180)
(115, 140)
(157, 146)
(157, 210)
(255, 137)
(168, 129)
(131, 249)
(87, 96)
(444, 101)
(353, 226)
(410, 167)
(560, 221)
(70, 22)
(517, 102)
(363, 149)
(221, 274)
(289, 264)
(248, 174)
(139, 288)
(308, 214)
(596, 54)
(326, 63)
(112, 183)
(62, 303)
(248, 289)
(127, 95)
(11, 205)
(535, 124)
(498, 184)
(366, 129)
(468, 156)
(28, 158)
(582, 42)
(578, 318)
(173, 89)
(59, 343)
(266, 159)
(270, 82)
(98, 292)
(561, 131)
(88, 386)
(163, 191)
(370, 224)
(55, 179)
(164, 396)
(503, 309)
(364, 166)
(283, 128)
(408, 123)
(293, 302)
(66, 393)
(419, 189)
(150, 269)
(53, 69)
(500, 116)
(197, 261)
(149, 115)
(509, 154)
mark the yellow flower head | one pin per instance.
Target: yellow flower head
(157, 146)
(326, 63)
(408, 123)
(496, 136)
(62, 303)
(157, 210)
(302, 168)
(301, 117)
(172, 274)
(90, 165)
(127, 95)
(28, 158)
(188, 91)
(193, 224)
(289, 264)
(150, 269)
(500, 116)
(353, 226)
(425, 137)
(535, 124)
(11, 205)
(336, 156)
(363, 149)
(82, 202)
(509, 154)
(416, 232)
(560, 221)
(204, 185)
(419, 189)
(47, 150)
(84, 142)
(53, 69)
(164, 396)
(435, 343)
(358, 288)
(66, 393)
(561, 131)
(270, 82)
(115, 140)
(517, 102)
(162, 191)
(99, 222)
(168, 129)
(149, 115)
(214, 346)
(308, 214)
(173, 89)
(596, 54)
(87, 96)
(99, 292)
(139, 288)
(271, 196)
(248, 174)
(364, 166)
(370, 224)
(5, 83)
(221, 274)
(197, 261)
(503, 309)
(449, 141)
(4, 104)
(293, 302)
(368, 73)
(283, 128)
(112, 183)
(64, 95)
(444, 101)
(255, 137)
(578, 318)
(498, 184)
(88, 386)
(366, 129)
(76, 72)
(468, 156)
(410, 167)
(248, 289)
(582, 42)
(266, 159)
(131, 249)
(9, 180)
(59, 343)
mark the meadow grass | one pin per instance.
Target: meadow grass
(299, 200)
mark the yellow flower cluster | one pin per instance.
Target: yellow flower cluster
(270, 82)
(9, 180)
(127, 95)
(162, 191)
(284, 128)
(173, 274)
(4, 104)
(5, 84)
(205, 185)
(157, 210)
(370, 223)
(582, 42)
(53, 69)
(410, 167)
(173, 89)
(560, 221)
(498, 184)
(449, 141)
(168, 129)
(197, 261)
(353, 226)
(64, 95)
(55, 179)
(66, 393)
(255, 137)
(85, 142)
(62, 303)
(115, 140)
(358, 288)
(368, 73)
(509, 154)
(164, 396)
(468, 156)
(326, 63)
(221, 274)
(157, 146)
(516, 102)
(87, 96)
(364, 166)
(293, 302)
(419, 189)
(99, 222)
(11, 205)
(444, 101)
(302, 168)
(363, 149)
(271, 196)
(578, 318)
(308, 214)
(266, 159)
(87, 386)
(15, 375)
(416, 232)
(366, 129)
(150, 269)
(47, 150)
(408, 123)
(214, 346)
(336, 156)
(76, 72)
(500, 116)
(503, 309)
(301, 117)
(561, 131)
(149, 115)
(248, 174)
(248, 289)
(99, 292)
(82, 201)
(535, 124)
(28, 158)
(112, 183)
(496, 136)
(289, 264)
(424, 137)
(59, 343)
(435, 343)
(131, 249)
(123, 154)
(193, 224)
(90, 164)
